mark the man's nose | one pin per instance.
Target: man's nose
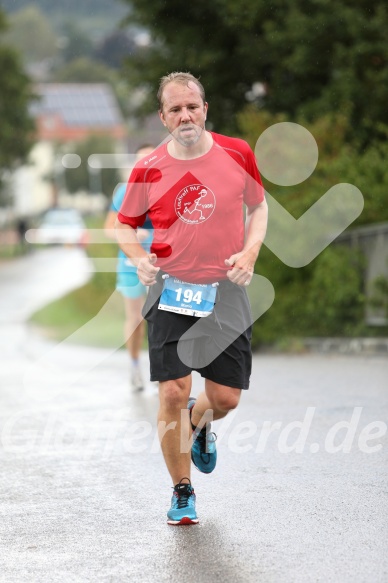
(185, 115)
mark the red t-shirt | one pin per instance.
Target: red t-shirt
(196, 206)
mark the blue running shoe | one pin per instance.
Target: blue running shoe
(182, 509)
(203, 450)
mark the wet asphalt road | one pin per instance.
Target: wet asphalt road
(84, 491)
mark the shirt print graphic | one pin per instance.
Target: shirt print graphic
(195, 204)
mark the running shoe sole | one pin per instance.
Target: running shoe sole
(185, 521)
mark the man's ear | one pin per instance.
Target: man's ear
(162, 117)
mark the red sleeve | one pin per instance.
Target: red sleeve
(254, 189)
(135, 205)
(242, 153)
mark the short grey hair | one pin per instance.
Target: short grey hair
(183, 79)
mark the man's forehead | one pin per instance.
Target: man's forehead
(176, 90)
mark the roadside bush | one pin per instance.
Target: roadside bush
(326, 297)
(335, 302)
(323, 299)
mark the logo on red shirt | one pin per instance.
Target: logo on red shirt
(195, 204)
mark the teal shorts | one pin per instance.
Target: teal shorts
(127, 282)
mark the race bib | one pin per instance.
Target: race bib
(190, 299)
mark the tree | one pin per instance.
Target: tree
(313, 56)
(96, 17)
(339, 161)
(84, 70)
(90, 180)
(77, 43)
(114, 48)
(75, 7)
(326, 297)
(15, 95)
(32, 34)
(335, 302)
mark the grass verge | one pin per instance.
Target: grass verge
(92, 314)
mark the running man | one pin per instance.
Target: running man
(198, 205)
(196, 271)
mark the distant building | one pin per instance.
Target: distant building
(65, 113)
(68, 112)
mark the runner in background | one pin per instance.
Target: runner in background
(128, 284)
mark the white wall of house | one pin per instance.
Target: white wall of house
(33, 192)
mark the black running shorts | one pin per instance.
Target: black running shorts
(217, 346)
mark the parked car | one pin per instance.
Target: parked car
(61, 227)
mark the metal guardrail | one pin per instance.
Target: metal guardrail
(372, 240)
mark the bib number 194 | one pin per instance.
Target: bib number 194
(189, 299)
(188, 296)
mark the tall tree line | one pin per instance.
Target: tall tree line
(15, 95)
(313, 56)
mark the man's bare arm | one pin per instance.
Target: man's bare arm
(130, 245)
(243, 263)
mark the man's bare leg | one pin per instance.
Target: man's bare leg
(173, 410)
(134, 327)
(214, 403)
(134, 330)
